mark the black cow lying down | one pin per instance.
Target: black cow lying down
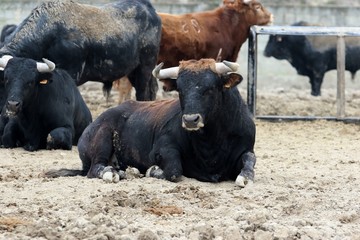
(207, 134)
(43, 107)
(313, 56)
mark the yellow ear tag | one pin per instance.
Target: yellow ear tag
(45, 81)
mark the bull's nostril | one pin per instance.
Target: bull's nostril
(193, 118)
(12, 107)
(192, 122)
(13, 103)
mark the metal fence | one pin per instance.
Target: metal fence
(339, 32)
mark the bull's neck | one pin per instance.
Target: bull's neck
(223, 119)
(238, 28)
(300, 55)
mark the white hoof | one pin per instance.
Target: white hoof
(150, 170)
(111, 177)
(242, 181)
(132, 173)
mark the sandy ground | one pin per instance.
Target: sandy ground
(306, 185)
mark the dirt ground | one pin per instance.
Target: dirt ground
(306, 184)
(306, 187)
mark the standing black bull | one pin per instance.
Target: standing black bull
(6, 31)
(93, 44)
(43, 107)
(313, 56)
(207, 134)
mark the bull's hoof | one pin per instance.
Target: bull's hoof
(122, 174)
(109, 175)
(132, 173)
(155, 171)
(30, 148)
(57, 143)
(242, 181)
(315, 94)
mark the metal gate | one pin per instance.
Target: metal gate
(339, 32)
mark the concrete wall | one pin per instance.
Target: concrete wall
(13, 11)
(326, 15)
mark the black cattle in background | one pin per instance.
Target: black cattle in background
(43, 107)
(313, 56)
(207, 134)
(93, 43)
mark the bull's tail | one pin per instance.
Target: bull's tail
(64, 173)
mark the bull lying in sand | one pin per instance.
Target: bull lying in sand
(207, 134)
(43, 108)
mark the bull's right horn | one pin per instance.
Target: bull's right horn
(226, 66)
(4, 60)
(165, 73)
(46, 66)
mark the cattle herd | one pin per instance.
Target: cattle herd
(207, 133)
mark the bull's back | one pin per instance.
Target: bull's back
(145, 122)
(191, 36)
(91, 43)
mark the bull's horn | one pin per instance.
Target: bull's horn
(4, 60)
(46, 66)
(247, 2)
(225, 67)
(165, 73)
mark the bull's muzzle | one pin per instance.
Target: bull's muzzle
(192, 122)
(12, 108)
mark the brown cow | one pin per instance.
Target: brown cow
(203, 34)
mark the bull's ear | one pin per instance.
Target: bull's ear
(232, 79)
(169, 84)
(43, 82)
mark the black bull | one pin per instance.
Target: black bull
(93, 43)
(43, 107)
(313, 56)
(207, 134)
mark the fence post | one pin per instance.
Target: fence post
(252, 71)
(340, 94)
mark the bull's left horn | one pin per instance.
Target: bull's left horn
(165, 73)
(46, 66)
(4, 60)
(225, 67)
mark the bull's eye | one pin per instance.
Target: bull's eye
(209, 91)
(278, 38)
(257, 7)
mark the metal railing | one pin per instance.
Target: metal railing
(339, 32)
